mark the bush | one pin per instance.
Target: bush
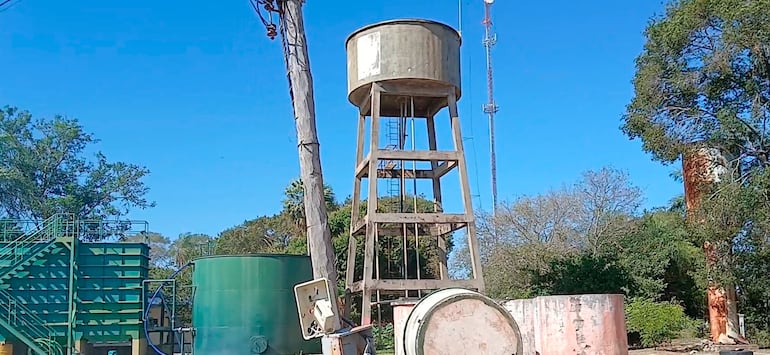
(383, 337)
(761, 337)
(656, 322)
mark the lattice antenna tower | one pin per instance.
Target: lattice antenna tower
(490, 108)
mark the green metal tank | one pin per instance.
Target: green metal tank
(245, 305)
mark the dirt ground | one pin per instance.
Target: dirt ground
(657, 352)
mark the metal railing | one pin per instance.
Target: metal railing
(87, 230)
(22, 247)
(37, 334)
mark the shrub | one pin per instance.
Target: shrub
(656, 322)
(383, 336)
(761, 337)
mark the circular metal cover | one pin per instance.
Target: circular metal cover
(258, 344)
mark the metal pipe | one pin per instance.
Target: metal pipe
(147, 311)
(71, 308)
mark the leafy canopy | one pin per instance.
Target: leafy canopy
(44, 171)
(704, 77)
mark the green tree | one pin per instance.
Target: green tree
(44, 170)
(663, 261)
(264, 234)
(189, 246)
(160, 248)
(184, 249)
(294, 201)
(702, 78)
(583, 274)
(702, 81)
(537, 233)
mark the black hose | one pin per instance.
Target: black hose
(147, 312)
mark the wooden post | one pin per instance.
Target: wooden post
(319, 239)
(379, 104)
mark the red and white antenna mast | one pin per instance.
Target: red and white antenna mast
(490, 108)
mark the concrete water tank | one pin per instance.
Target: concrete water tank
(245, 305)
(417, 53)
(460, 321)
(571, 324)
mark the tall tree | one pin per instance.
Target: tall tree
(590, 216)
(704, 77)
(160, 248)
(703, 80)
(294, 201)
(260, 235)
(44, 170)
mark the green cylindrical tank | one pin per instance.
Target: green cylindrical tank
(245, 305)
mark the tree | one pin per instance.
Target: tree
(261, 235)
(664, 262)
(608, 202)
(702, 81)
(184, 249)
(43, 171)
(189, 246)
(160, 248)
(279, 233)
(294, 201)
(703, 78)
(535, 232)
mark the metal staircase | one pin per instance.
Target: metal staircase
(27, 327)
(36, 253)
(16, 256)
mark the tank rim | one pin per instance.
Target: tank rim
(403, 21)
(257, 255)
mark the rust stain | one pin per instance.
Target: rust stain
(698, 171)
(577, 321)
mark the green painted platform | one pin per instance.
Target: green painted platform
(35, 274)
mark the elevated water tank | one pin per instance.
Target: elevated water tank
(417, 53)
(244, 305)
(460, 321)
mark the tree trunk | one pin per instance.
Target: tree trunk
(722, 306)
(698, 172)
(319, 239)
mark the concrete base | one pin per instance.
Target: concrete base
(347, 341)
(401, 310)
(6, 348)
(138, 346)
(83, 347)
(574, 324)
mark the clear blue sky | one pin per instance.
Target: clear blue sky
(196, 92)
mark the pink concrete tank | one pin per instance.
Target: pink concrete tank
(582, 324)
(572, 324)
(401, 310)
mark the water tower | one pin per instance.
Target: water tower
(401, 75)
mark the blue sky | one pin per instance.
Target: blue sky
(196, 92)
